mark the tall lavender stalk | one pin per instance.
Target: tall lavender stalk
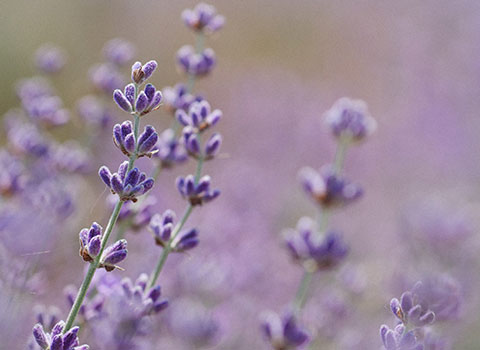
(313, 246)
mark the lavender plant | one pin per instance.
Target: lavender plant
(312, 245)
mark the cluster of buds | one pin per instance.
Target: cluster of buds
(313, 251)
(200, 116)
(196, 193)
(162, 227)
(191, 143)
(124, 139)
(57, 340)
(26, 140)
(90, 246)
(140, 73)
(196, 63)
(350, 120)
(408, 311)
(282, 332)
(203, 18)
(128, 186)
(145, 301)
(147, 100)
(328, 189)
(178, 97)
(138, 215)
(168, 150)
(399, 339)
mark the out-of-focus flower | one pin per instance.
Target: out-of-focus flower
(197, 64)
(12, 178)
(106, 78)
(283, 333)
(196, 193)
(170, 151)
(200, 116)
(93, 111)
(140, 72)
(191, 143)
(145, 301)
(70, 157)
(399, 338)
(119, 51)
(56, 340)
(50, 59)
(31, 88)
(25, 139)
(46, 110)
(189, 320)
(313, 250)
(137, 215)
(350, 120)
(92, 307)
(127, 186)
(178, 97)
(203, 17)
(328, 189)
(409, 312)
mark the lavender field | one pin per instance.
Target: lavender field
(245, 175)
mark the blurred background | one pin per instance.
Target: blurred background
(281, 65)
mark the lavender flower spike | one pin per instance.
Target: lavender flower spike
(56, 340)
(141, 73)
(127, 186)
(146, 301)
(328, 189)
(162, 227)
(350, 119)
(197, 64)
(124, 139)
(283, 332)
(170, 151)
(199, 193)
(399, 339)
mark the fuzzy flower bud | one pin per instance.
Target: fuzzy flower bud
(197, 64)
(200, 116)
(141, 73)
(203, 17)
(283, 333)
(196, 193)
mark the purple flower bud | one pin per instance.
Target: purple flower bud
(283, 332)
(122, 101)
(196, 194)
(213, 146)
(141, 73)
(129, 93)
(142, 102)
(40, 336)
(114, 254)
(204, 18)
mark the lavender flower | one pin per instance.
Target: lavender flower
(203, 18)
(200, 116)
(91, 309)
(127, 186)
(147, 100)
(70, 157)
(169, 150)
(197, 64)
(90, 245)
(145, 301)
(93, 111)
(196, 193)
(408, 311)
(56, 340)
(178, 97)
(350, 120)
(25, 139)
(50, 59)
(47, 110)
(191, 143)
(119, 51)
(124, 139)
(328, 189)
(140, 72)
(283, 332)
(162, 227)
(106, 78)
(12, 178)
(31, 88)
(399, 338)
(137, 215)
(312, 250)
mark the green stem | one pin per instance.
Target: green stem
(166, 251)
(91, 269)
(302, 291)
(199, 45)
(82, 292)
